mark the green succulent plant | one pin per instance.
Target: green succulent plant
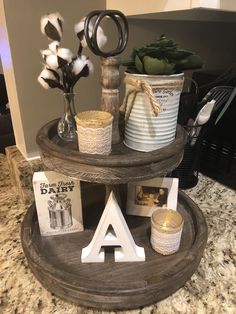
(163, 57)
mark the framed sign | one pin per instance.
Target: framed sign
(145, 197)
(58, 203)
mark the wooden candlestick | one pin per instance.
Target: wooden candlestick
(110, 81)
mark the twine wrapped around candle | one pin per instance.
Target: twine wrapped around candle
(166, 230)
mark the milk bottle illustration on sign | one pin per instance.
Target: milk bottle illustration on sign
(58, 203)
(59, 207)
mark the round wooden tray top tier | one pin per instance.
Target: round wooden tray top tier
(55, 261)
(121, 166)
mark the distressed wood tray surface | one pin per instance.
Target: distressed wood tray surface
(55, 261)
(121, 166)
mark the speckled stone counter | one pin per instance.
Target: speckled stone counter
(212, 289)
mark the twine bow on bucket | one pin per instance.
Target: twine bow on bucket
(137, 86)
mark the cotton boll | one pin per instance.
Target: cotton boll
(42, 82)
(79, 26)
(56, 18)
(79, 30)
(65, 54)
(45, 53)
(43, 23)
(83, 57)
(45, 74)
(52, 61)
(78, 65)
(51, 25)
(90, 66)
(101, 37)
(83, 40)
(88, 62)
(53, 46)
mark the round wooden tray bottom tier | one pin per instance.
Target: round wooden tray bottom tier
(55, 261)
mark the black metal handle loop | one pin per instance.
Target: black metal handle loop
(122, 28)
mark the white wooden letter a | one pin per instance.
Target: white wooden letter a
(127, 250)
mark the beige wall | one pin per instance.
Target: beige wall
(32, 106)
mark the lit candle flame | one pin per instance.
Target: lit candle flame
(164, 227)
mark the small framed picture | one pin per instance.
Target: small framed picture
(145, 197)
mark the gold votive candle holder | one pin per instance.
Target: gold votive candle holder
(94, 130)
(166, 231)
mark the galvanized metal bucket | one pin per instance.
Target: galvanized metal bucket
(143, 130)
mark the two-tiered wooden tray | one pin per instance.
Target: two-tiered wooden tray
(55, 261)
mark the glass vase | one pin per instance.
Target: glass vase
(66, 127)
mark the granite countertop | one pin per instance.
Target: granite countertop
(212, 289)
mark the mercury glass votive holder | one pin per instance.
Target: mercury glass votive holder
(166, 231)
